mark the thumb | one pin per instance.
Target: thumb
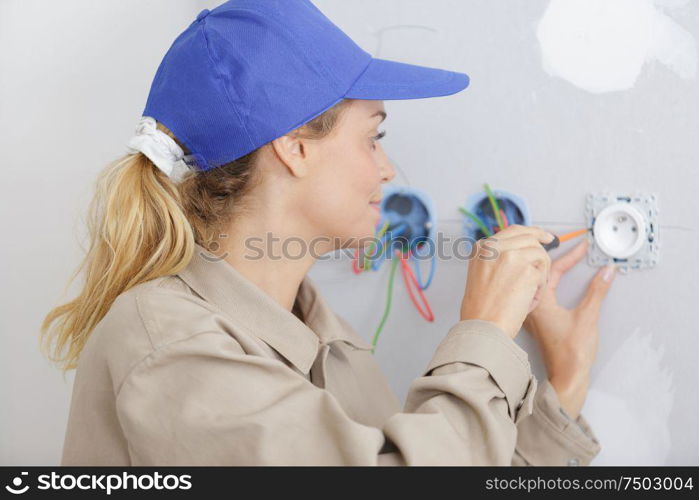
(598, 288)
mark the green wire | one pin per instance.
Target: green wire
(387, 310)
(381, 232)
(494, 204)
(475, 219)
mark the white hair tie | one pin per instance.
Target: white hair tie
(159, 147)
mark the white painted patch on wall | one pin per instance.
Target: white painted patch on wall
(602, 45)
(631, 415)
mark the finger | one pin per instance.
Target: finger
(541, 257)
(517, 230)
(597, 290)
(536, 258)
(493, 247)
(524, 249)
(564, 263)
(524, 240)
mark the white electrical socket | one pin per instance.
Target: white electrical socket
(624, 230)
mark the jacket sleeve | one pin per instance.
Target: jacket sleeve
(204, 401)
(550, 437)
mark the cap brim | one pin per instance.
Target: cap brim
(389, 80)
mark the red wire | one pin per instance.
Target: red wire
(408, 273)
(504, 218)
(355, 263)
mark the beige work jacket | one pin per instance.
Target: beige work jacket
(204, 368)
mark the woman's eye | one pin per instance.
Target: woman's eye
(381, 135)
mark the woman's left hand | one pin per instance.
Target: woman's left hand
(568, 338)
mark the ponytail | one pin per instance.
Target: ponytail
(138, 231)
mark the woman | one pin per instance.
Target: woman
(262, 121)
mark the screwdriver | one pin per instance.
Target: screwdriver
(557, 240)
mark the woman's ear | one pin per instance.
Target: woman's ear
(291, 151)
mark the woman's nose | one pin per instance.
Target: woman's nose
(388, 171)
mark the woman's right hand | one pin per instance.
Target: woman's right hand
(506, 275)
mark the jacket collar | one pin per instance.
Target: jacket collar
(221, 284)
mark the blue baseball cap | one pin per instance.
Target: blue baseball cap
(250, 71)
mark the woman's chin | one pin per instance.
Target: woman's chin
(361, 234)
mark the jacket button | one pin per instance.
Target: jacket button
(203, 14)
(573, 461)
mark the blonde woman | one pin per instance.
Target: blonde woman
(263, 119)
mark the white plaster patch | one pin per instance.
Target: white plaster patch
(602, 45)
(630, 414)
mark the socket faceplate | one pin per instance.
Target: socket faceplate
(624, 230)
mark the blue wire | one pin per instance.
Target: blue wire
(396, 231)
(390, 234)
(418, 273)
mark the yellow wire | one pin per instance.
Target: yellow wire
(494, 204)
(378, 236)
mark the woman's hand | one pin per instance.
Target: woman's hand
(504, 276)
(568, 337)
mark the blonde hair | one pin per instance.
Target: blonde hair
(143, 226)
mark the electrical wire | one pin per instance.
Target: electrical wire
(504, 218)
(355, 262)
(389, 300)
(493, 204)
(409, 277)
(477, 220)
(377, 260)
(418, 273)
(379, 235)
(385, 243)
